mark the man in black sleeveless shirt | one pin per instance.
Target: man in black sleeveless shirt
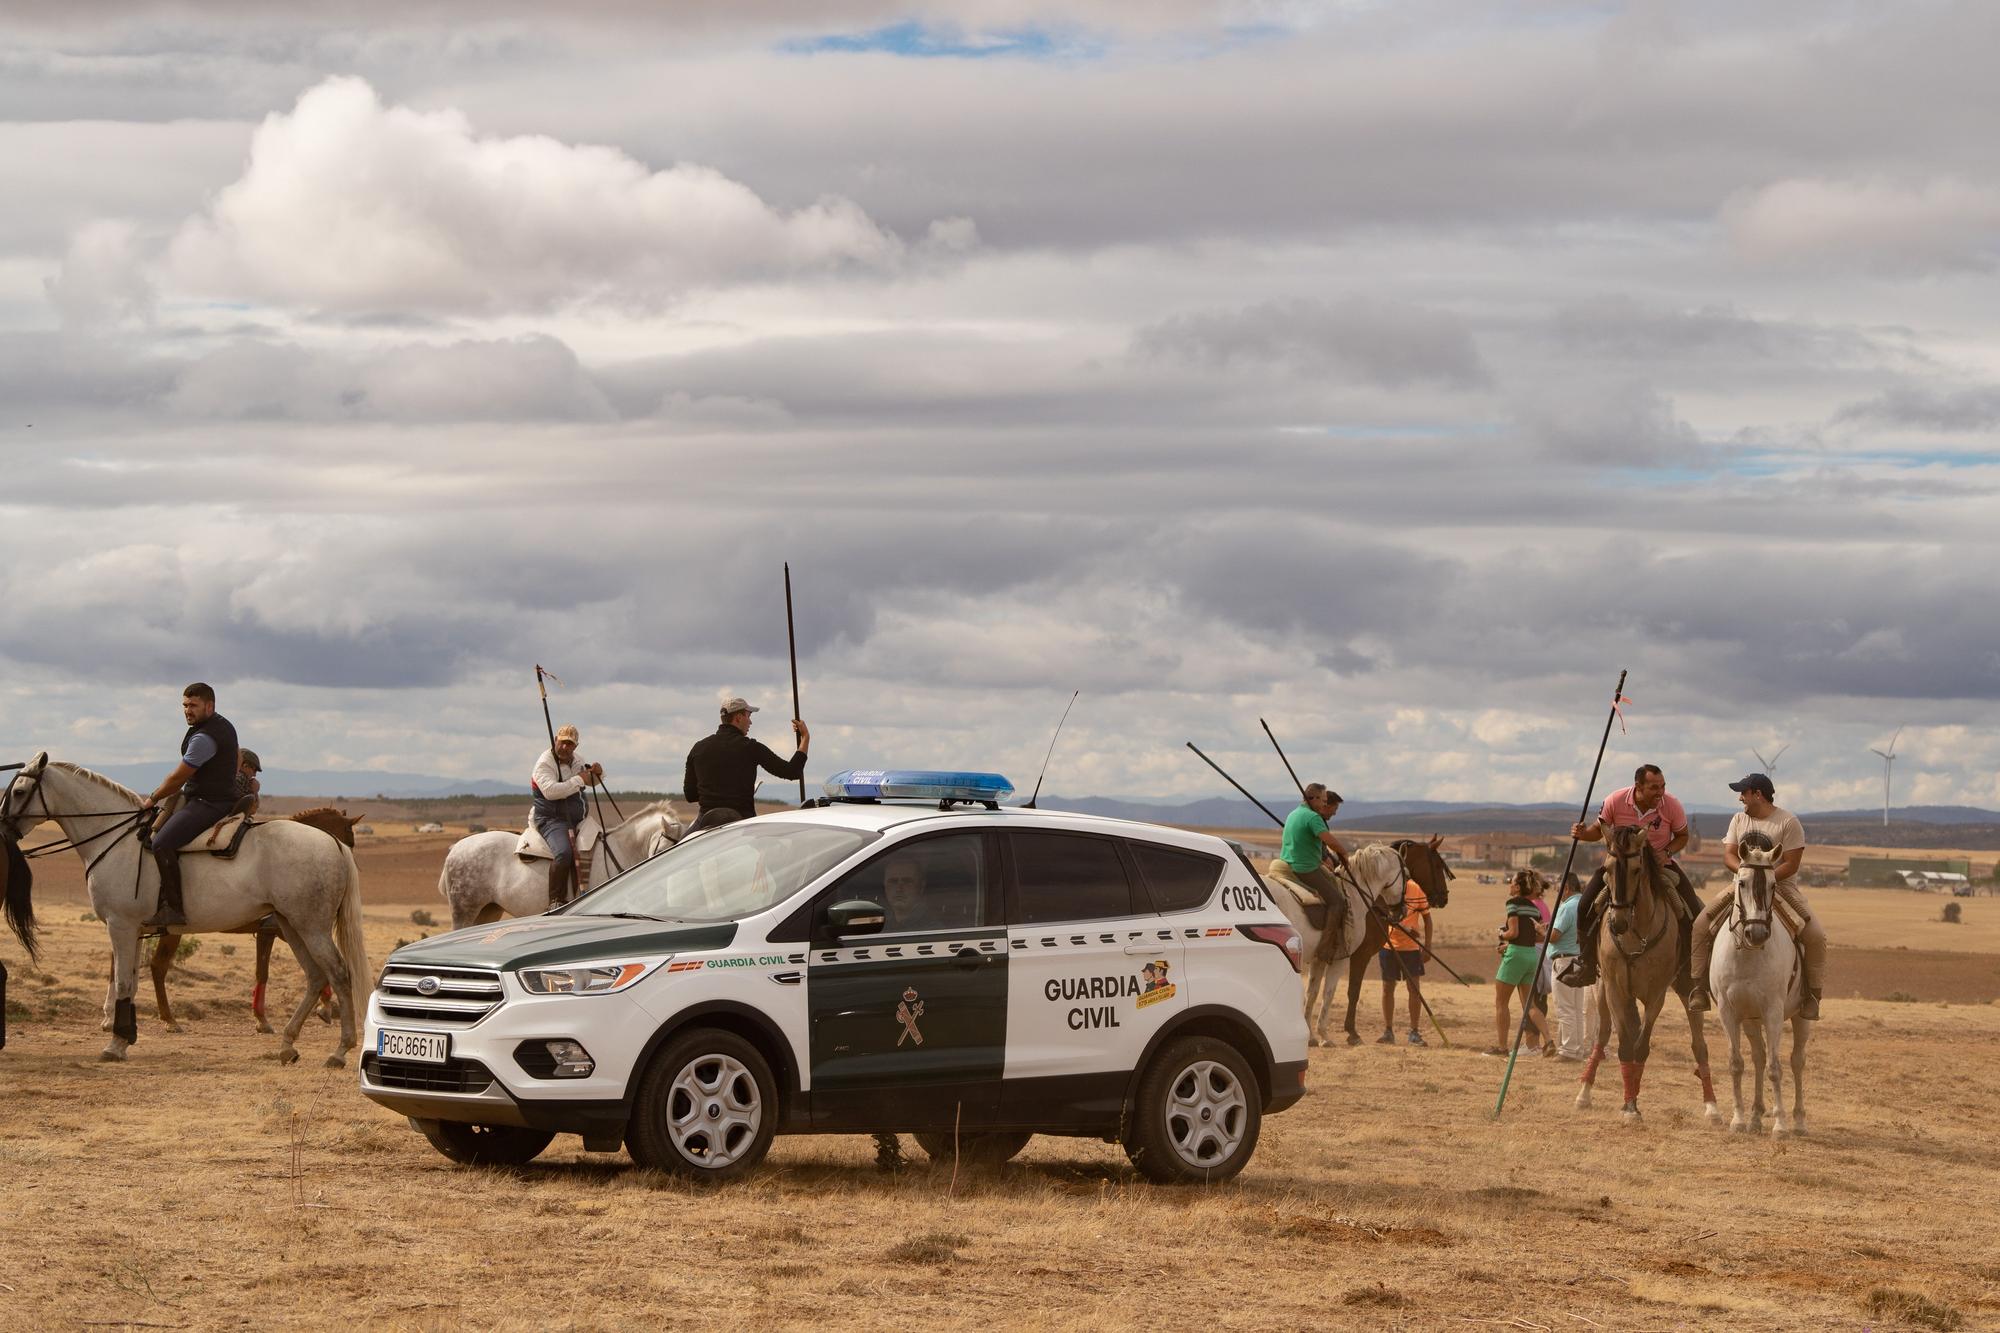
(206, 774)
(722, 768)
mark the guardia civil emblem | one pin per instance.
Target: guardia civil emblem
(907, 1013)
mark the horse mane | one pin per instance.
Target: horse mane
(79, 771)
(336, 824)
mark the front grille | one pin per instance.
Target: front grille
(454, 1075)
(461, 995)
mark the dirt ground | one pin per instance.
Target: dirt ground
(202, 1185)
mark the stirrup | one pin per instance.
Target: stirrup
(164, 918)
(1809, 1006)
(1699, 1001)
(1578, 973)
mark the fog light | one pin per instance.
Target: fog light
(572, 1061)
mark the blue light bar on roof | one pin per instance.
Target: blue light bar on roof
(916, 784)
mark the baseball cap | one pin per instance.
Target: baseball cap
(248, 759)
(737, 705)
(1755, 782)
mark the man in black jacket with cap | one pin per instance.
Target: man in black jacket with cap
(207, 775)
(722, 769)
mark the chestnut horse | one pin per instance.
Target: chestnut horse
(336, 825)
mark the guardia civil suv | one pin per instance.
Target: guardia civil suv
(904, 955)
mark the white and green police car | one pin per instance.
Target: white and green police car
(904, 956)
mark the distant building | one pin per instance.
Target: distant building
(1937, 881)
(1887, 872)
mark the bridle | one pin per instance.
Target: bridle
(1625, 899)
(1753, 931)
(129, 824)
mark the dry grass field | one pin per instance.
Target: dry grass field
(204, 1186)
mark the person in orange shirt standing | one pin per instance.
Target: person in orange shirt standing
(1403, 960)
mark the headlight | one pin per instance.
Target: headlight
(595, 979)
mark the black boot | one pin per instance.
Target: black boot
(558, 883)
(168, 914)
(1582, 970)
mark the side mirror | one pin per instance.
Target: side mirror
(856, 917)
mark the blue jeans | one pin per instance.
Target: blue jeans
(555, 832)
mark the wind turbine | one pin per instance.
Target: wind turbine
(1771, 764)
(1888, 765)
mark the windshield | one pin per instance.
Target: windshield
(732, 872)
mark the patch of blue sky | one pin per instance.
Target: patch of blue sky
(924, 42)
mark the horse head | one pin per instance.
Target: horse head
(1423, 863)
(1633, 871)
(1378, 873)
(1758, 856)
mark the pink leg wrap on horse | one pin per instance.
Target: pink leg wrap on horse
(1707, 1087)
(1631, 1070)
(1590, 1065)
(257, 999)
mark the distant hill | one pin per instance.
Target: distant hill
(331, 782)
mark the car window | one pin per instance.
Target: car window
(1180, 880)
(729, 873)
(1067, 877)
(937, 883)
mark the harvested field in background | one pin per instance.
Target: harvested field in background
(204, 1186)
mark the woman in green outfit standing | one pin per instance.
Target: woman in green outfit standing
(1520, 940)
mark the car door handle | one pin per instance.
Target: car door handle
(970, 958)
(1147, 946)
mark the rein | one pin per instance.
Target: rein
(1619, 890)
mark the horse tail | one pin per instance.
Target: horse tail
(353, 946)
(21, 907)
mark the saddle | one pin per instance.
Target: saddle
(1331, 947)
(233, 826)
(533, 847)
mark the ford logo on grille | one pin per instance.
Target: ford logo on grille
(427, 986)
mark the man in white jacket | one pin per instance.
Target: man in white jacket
(559, 780)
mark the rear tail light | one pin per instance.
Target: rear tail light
(1285, 939)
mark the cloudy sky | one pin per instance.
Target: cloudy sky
(1397, 372)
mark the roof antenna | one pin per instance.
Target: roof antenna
(1052, 749)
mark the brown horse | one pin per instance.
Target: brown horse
(327, 820)
(1423, 863)
(1644, 951)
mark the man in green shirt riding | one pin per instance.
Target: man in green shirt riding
(1306, 844)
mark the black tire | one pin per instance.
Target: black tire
(707, 1107)
(485, 1145)
(1197, 1114)
(989, 1147)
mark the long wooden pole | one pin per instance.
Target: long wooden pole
(792, 645)
(1562, 885)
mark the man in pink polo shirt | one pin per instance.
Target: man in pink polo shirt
(1645, 804)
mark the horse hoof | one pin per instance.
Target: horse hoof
(173, 1027)
(288, 1056)
(1353, 1039)
(1714, 1113)
(1314, 1040)
(336, 1062)
(111, 1055)
(1632, 1116)
(1737, 1127)
(262, 1026)
(1781, 1131)
(1799, 1128)
(1583, 1099)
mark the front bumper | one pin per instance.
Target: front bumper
(484, 1083)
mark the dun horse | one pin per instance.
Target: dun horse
(483, 879)
(1644, 956)
(305, 877)
(1373, 906)
(1756, 982)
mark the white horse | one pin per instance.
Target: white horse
(483, 879)
(1755, 979)
(308, 879)
(1380, 870)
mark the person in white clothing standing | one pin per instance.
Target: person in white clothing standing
(1576, 1007)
